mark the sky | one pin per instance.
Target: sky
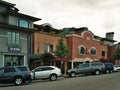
(100, 16)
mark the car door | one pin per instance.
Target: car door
(8, 74)
(84, 68)
(37, 73)
(43, 72)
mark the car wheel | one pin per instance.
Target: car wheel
(118, 70)
(97, 72)
(18, 81)
(53, 77)
(72, 74)
(107, 71)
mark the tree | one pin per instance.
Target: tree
(65, 31)
(116, 55)
(61, 51)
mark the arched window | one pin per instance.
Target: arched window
(81, 49)
(93, 50)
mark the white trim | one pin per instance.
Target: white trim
(82, 35)
(3, 36)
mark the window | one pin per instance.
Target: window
(84, 65)
(93, 51)
(13, 38)
(47, 68)
(8, 70)
(1, 70)
(97, 64)
(22, 68)
(81, 49)
(48, 48)
(103, 53)
(38, 70)
(23, 23)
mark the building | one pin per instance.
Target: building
(85, 47)
(45, 40)
(15, 35)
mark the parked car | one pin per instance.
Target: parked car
(116, 68)
(108, 67)
(46, 72)
(87, 68)
(15, 74)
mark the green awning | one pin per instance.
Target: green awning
(35, 57)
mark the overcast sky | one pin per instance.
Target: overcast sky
(100, 16)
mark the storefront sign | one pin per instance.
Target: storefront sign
(14, 49)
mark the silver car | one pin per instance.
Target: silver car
(116, 68)
(46, 72)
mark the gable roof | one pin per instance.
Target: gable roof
(6, 3)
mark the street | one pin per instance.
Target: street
(93, 82)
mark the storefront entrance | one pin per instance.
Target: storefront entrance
(13, 60)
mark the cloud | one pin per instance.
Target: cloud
(100, 16)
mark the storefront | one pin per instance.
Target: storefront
(13, 60)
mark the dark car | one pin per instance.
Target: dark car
(15, 74)
(108, 67)
(87, 68)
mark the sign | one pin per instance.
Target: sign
(14, 49)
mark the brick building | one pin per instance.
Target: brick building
(45, 40)
(85, 47)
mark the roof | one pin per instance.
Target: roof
(46, 29)
(6, 3)
(106, 39)
(13, 13)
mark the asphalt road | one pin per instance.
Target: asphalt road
(99, 82)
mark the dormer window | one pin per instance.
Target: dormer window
(22, 23)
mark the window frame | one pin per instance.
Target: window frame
(21, 21)
(93, 51)
(81, 52)
(13, 38)
(48, 48)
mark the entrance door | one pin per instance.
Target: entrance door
(14, 60)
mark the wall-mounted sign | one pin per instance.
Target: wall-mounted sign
(14, 49)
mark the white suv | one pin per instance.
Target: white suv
(46, 72)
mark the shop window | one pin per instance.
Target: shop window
(93, 51)
(14, 60)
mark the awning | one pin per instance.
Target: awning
(47, 57)
(35, 57)
(61, 59)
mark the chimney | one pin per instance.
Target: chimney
(110, 35)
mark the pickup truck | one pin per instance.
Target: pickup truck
(87, 68)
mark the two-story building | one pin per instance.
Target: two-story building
(86, 47)
(45, 40)
(15, 35)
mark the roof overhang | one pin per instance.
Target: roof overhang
(13, 27)
(13, 13)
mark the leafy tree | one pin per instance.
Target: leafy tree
(62, 50)
(116, 55)
(67, 31)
